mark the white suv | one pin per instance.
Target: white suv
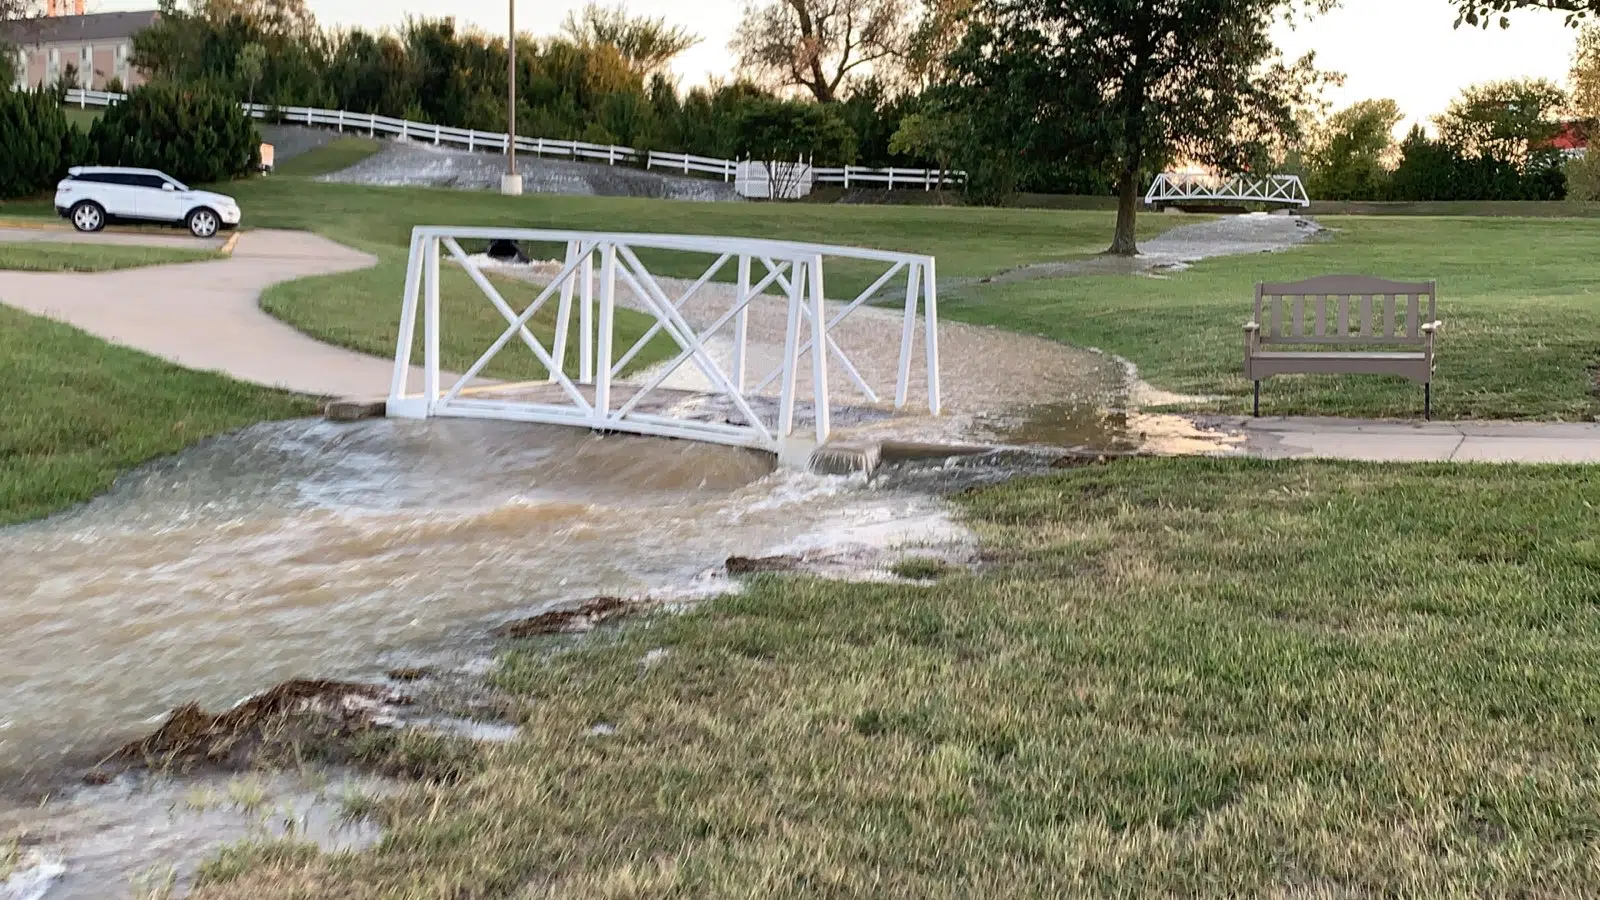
(91, 196)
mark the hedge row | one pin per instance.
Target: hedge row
(192, 135)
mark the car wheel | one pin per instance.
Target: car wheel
(204, 223)
(88, 216)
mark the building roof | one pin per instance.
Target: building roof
(93, 28)
(1573, 136)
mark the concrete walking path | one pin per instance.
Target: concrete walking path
(205, 315)
(1389, 441)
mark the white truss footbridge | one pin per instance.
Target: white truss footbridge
(1178, 189)
(585, 294)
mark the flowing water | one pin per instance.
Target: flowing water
(307, 549)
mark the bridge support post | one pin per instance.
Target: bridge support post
(819, 352)
(908, 334)
(741, 323)
(430, 324)
(400, 382)
(791, 353)
(608, 308)
(930, 317)
(586, 320)
(563, 332)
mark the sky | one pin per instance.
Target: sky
(1407, 50)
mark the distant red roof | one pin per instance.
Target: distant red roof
(1573, 136)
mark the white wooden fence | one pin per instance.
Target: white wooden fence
(489, 141)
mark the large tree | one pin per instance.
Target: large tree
(1513, 121)
(1347, 155)
(817, 45)
(649, 45)
(1138, 84)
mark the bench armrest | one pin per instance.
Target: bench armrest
(1431, 327)
(1252, 326)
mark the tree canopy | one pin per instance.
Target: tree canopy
(1513, 120)
(649, 45)
(1482, 12)
(1346, 158)
(818, 45)
(1130, 85)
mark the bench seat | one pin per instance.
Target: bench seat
(1414, 366)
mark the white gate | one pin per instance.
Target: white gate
(756, 180)
(1179, 187)
(594, 267)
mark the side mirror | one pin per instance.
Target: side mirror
(167, 186)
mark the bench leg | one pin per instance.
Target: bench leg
(1257, 407)
(1427, 401)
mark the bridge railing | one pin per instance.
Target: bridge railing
(585, 291)
(1177, 188)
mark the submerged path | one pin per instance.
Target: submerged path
(206, 315)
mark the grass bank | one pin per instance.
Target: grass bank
(1520, 299)
(1176, 678)
(52, 256)
(340, 153)
(79, 412)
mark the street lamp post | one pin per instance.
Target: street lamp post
(511, 182)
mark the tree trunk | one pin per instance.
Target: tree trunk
(1124, 242)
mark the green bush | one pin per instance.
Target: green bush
(37, 143)
(192, 133)
(1583, 177)
(786, 130)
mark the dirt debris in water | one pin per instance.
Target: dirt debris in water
(576, 620)
(301, 712)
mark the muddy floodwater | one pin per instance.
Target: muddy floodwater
(307, 549)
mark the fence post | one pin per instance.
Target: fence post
(436, 135)
(847, 176)
(926, 184)
(372, 124)
(611, 155)
(471, 140)
(891, 179)
(308, 115)
(686, 164)
(404, 134)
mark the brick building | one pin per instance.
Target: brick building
(99, 47)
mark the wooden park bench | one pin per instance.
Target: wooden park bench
(1335, 325)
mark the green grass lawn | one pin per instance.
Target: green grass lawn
(341, 153)
(1517, 295)
(1174, 679)
(52, 256)
(78, 412)
(967, 241)
(1520, 299)
(361, 310)
(83, 117)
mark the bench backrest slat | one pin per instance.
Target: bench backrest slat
(1364, 310)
